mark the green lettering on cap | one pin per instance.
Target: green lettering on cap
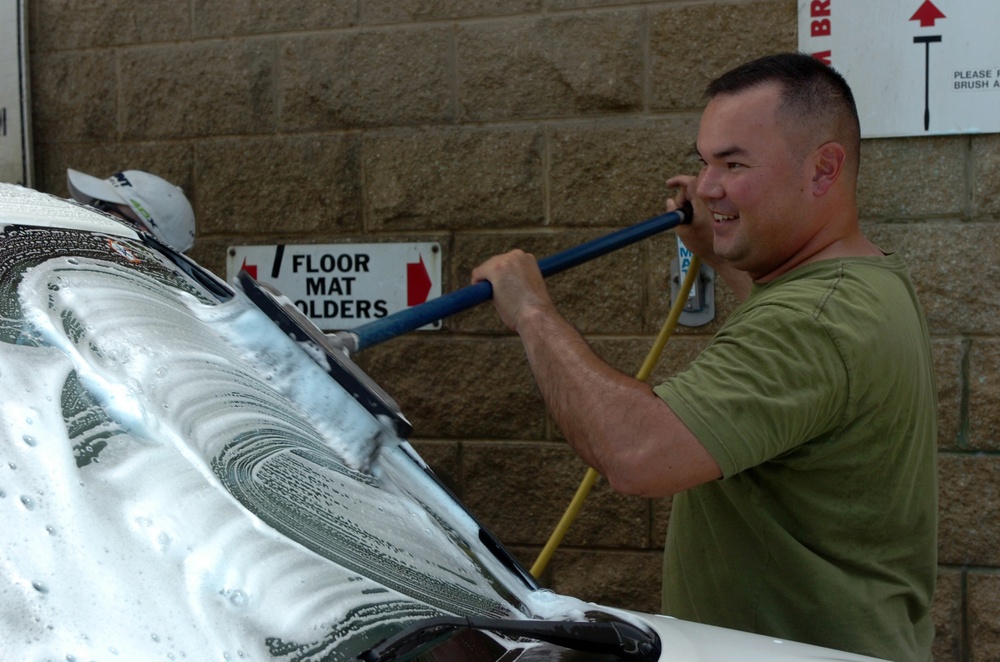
(138, 208)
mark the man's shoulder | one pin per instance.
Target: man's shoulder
(855, 279)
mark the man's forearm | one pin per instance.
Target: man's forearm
(614, 422)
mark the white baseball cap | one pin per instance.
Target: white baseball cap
(162, 207)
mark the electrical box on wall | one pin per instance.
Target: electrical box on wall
(700, 307)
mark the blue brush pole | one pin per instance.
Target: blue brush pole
(470, 296)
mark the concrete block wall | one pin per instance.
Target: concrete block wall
(533, 123)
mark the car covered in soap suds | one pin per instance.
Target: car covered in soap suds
(182, 479)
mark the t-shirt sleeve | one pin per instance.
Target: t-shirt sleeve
(767, 383)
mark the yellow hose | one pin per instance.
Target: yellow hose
(644, 371)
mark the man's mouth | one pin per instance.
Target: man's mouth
(722, 217)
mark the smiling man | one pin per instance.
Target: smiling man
(801, 443)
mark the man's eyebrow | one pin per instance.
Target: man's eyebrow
(725, 153)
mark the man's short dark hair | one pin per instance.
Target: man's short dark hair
(810, 89)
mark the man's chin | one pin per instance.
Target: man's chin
(731, 253)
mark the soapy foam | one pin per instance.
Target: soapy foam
(229, 512)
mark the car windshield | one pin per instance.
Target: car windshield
(185, 481)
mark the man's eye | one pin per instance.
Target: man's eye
(733, 166)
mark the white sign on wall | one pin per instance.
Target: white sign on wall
(15, 123)
(917, 67)
(342, 286)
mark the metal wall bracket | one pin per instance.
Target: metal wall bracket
(700, 307)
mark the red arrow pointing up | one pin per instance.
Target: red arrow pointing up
(927, 14)
(418, 282)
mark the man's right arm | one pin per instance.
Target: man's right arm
(616, 423)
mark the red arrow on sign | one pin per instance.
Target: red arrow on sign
(418, 282)
(927, 14)
(249, 268)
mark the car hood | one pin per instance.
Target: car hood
(684, 641)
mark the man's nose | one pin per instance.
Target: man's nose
(709, 184)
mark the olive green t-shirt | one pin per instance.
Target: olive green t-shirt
(817, 400)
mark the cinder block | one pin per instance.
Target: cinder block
(306, 184)
(460, 388)
(455, 179)
(937, 163)
(243, 17)
(58, 25)
(986, 176)
(984, 615)
(947, 611)
(521, 491)
(198, 89)
(73, 98)
(627, 580)
(959, 293)
(984, 394)
(375, 78)
(613, 173)
(550, 67)
(969, 509)
(376, 12)
(690, 44)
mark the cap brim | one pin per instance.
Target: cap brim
(84, 188)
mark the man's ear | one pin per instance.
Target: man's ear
(828, 162)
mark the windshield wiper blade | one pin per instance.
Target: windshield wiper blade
(626, 642)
